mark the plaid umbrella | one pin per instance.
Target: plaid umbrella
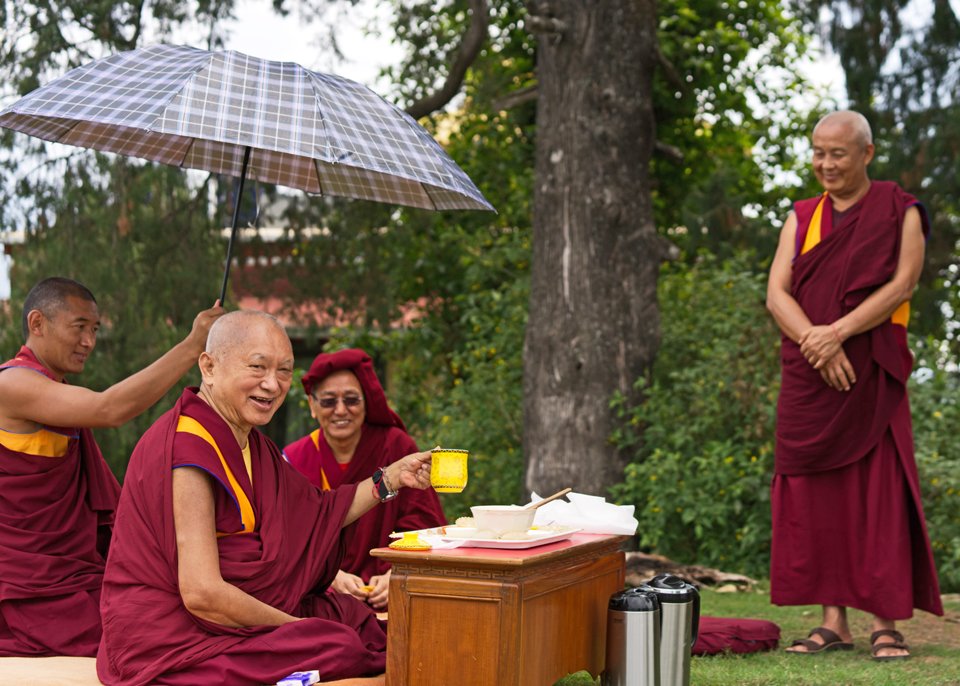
(233, 114)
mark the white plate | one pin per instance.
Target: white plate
(538, 537)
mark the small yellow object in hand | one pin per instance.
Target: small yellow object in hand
(366, 589)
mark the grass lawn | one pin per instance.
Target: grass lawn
(934, 642)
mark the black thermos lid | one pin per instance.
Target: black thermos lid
(671, 589)
(634, 600)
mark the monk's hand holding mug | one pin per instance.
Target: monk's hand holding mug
(412, 471)
(820, 344)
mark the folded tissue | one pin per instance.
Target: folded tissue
(591, 513)
(300, 678)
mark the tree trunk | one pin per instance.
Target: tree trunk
(593, 325)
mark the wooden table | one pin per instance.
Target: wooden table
(490, 617)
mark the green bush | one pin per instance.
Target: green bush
(936, 430)
(700, 476)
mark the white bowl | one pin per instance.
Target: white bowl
(502, 518)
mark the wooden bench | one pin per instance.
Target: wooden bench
(82, 671)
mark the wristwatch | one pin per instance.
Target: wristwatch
(380, 487)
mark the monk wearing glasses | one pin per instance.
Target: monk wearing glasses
(358, 432)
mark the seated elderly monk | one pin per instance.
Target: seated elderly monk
(358, 433)
(222, 551)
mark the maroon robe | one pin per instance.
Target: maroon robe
(383, 440)
(288, 557)
(56, 510)
(848, 526)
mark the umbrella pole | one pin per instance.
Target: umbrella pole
(233, 230)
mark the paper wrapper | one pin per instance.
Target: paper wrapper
(591, 513)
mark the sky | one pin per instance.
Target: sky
(260, 32)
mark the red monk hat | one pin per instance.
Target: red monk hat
(360, 363)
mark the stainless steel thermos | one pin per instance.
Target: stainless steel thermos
(633, 639)
(680, 613)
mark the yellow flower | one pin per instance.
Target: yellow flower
(938, 415)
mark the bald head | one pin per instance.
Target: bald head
(854, 122)
(233, 330)
(246, 368)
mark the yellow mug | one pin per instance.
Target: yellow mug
(448, 470)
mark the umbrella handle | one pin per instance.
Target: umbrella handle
(233, 230)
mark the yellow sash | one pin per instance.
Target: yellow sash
(901, 315)
(190, 425)
(315, 437)
(40, 443)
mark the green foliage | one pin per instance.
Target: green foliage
(582, 678)
(113, 233)
(723, 99)
(700, 476)
(935, 405)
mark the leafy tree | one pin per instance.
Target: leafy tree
(140, 240)
(702, 442)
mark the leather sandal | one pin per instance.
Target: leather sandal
(897, 643)
(831, 641)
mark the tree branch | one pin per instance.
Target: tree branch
(473, 40)
(515, 98)
(540, 24)
(673, 76)
(671, 152)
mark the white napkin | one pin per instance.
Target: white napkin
(437, 542)
(591, 513)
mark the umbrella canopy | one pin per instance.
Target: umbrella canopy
(229, 113)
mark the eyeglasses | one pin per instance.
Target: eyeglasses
(329, 402)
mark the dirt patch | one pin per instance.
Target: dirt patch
(924, 628)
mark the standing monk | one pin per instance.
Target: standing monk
(848, 526)
(57, 494)
(222, 551)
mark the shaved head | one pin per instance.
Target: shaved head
(854, 121)
(247, 368)
(49, 297)
(232, 329)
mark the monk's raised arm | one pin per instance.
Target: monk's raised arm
(785, 309)
(204, 592)
(412, 471)
(26, 396)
